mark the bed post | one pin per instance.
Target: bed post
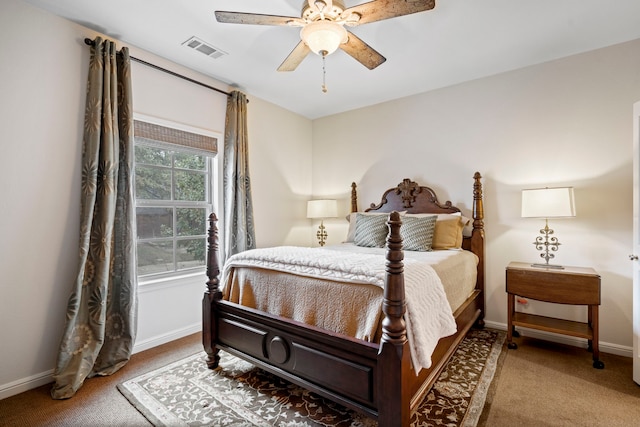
(394, 364)
(477, 239)
(211, 295)
(354, 198)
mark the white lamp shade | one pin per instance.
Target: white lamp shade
(548, 203)
(322, 209)
(323, 36)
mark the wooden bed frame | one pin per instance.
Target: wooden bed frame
(375, 379)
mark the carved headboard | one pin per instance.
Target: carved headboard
(411, 197)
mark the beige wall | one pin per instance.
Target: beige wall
(566, 122)
(280, 163)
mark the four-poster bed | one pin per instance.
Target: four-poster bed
(375, 377)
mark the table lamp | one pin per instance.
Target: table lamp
(548, 203)
(322, 209)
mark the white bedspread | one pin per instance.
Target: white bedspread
(428, 317)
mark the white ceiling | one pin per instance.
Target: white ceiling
(457, 41)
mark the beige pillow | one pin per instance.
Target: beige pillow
(448, 233)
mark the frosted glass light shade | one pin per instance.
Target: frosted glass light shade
(322, 209)
(548, 203)
(323, 36)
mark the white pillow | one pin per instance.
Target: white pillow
(440, 216)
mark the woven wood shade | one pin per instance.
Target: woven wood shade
(175, 136)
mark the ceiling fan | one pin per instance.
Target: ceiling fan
(323, 22)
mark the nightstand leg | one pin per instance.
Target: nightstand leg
(593, 322)
(590, 322)
(511, 330)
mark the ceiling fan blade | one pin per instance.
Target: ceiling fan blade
(378, 10)
(295, 57)
(256, 19)
(362, 52)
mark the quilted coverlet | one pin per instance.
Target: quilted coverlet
(428, 316)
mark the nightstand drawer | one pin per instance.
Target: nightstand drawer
(570, 286)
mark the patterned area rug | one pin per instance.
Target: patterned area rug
(186, 393)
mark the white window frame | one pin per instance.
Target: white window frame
(214, 190)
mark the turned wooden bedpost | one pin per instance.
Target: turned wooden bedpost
(354, 198)
(394, 305)
(478, 207)
(211, 295)
(477, 237)
(394, 356)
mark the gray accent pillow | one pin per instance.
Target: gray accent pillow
(371, 230)
(417, 232)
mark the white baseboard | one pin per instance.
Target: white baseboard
(564, 339)
(25, 384)
(33, 381)
(165, 338)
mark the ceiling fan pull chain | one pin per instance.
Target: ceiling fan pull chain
(324, 72)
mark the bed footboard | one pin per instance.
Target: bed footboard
(357, 374)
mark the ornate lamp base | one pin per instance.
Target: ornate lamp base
(321, 234)
(545, 243)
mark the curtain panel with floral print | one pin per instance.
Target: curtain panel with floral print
(239, 233)
(101, 314)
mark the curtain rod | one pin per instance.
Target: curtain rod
(89, 42)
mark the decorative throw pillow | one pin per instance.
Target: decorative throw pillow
(417, 232)
(371, 230)
(448, 233)
(351, 233)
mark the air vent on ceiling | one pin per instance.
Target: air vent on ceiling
(205, 48)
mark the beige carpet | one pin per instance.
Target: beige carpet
(547, 384)
(187, 393)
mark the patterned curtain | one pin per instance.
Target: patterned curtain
(239, 233)
(102, 309)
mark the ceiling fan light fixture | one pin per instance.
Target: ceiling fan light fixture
(323, 37)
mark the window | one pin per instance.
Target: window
(173, 188)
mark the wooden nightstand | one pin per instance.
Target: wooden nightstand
(570, 285)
